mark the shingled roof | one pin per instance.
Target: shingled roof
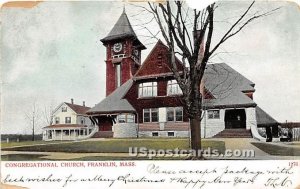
(264, 119)
(122, 29)
(227, 86)
(114, 103)
(78, 108)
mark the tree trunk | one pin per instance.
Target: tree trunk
(196, 136)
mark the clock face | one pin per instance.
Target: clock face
(117, 47)
(136, 52)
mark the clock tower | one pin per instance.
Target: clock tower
(123, 54)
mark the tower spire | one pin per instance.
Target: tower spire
(124, 10)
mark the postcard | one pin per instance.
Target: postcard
(150, 94)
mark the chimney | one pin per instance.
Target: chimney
(72, 101)
(83, 103)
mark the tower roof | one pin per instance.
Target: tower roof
(122, 29)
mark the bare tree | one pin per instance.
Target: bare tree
(47, 114)
(188, 34)
(33, 117)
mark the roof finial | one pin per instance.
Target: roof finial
(124, 11)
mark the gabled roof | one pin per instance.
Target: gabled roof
(122, 29)
(78, 108)
(264, 119)
(227, 86)
(150, 67)
(114, 102)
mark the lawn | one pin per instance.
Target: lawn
(14, 144)
(117, 146)
(276, 150)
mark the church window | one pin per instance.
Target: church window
(213, 114)
(151, 115)
(173, 88)
(118, 75)
(175, 114)
(148, 89)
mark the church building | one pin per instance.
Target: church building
(144, 99)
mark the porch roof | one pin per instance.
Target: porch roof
(115, 102)
(264, 119)
(66, 126)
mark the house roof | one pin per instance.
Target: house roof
(263, 118)
(78, 108)
(65, 126)
(122, 29)
(114, 102)
(227, 87)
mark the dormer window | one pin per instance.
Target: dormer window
(148, 89)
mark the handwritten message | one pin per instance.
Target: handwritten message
(159, 174)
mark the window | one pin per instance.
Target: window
(82, 120)
(130, 118)
(122, 118)
(148, 89)
(173, 88)
(126, 118)
(118, 75)
(146, 115)
(213, 114)
(64, 109)
(171, 134)
(67, 119)
(179, 114)
(151, 115)
(56, 120)
(155, 134)
(175, 114)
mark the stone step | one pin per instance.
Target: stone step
(103, 134)
(234, 133)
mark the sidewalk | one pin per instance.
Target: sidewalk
(245, 144)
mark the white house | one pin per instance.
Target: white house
(70, 122)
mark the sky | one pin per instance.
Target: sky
(52, 52)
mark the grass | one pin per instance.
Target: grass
(14, 144)
(117, 146)
(278, 150)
